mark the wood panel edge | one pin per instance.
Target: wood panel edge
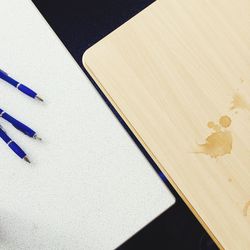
(158, 163)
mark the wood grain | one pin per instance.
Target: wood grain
(178, 74)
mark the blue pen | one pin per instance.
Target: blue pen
(19, 86)
(19, 125)
(13, 146)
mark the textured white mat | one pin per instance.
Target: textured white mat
(89, 187)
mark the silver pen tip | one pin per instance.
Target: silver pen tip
(27, 159)
(39, 98)
(37, 138)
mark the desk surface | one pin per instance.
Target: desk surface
(178, 73)
(89, 186)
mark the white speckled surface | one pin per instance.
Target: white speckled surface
(89, 186)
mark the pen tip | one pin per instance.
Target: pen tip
(27, 159)
(39, 98)
(37, 138)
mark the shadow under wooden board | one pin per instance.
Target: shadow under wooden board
(179, 75)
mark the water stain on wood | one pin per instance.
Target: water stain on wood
(220, 142)
(239, 102)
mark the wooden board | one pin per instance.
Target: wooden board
(179, 74)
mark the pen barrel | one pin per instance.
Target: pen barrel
(27, 90)
(19, 125)
(8, 79)
(12, 145)
(16, 149)
(4, 136)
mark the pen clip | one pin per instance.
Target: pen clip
(3, 72)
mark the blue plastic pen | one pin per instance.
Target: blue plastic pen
(19, 86)
(19, 125)
(13, 146)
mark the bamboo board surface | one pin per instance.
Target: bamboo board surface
(179, 75)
